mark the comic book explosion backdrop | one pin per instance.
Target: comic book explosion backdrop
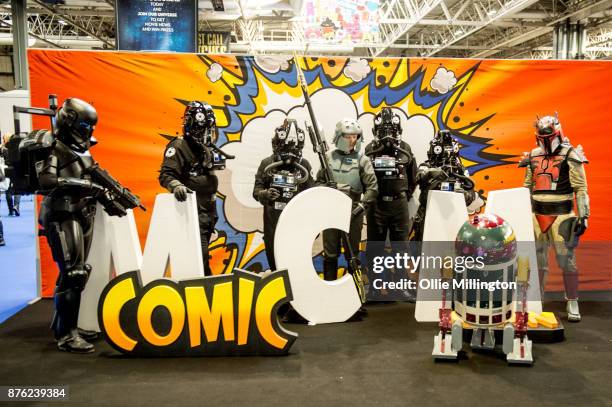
(490, 106)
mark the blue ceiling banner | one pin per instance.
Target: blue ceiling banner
(157, 25)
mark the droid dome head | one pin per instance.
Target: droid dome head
(491, 242)
(288, 141)
(199, 123)
(387, 127)
(75, 122)
(549, 135)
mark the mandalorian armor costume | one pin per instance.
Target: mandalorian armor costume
(555, 176)
(189, 165)
(58, 165)
(354, 175)
(443, 171)
(279, 178)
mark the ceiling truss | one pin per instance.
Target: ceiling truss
(421, 28)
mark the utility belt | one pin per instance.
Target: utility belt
(552, 208)
(391, 198)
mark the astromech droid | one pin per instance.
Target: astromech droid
(478, 307)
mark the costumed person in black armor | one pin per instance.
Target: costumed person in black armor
(354, 175)
(189, 166)
(72, 183)
(555, 176)
(280, 177)
(443, 171)
(395, 169)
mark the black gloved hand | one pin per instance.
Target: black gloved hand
(180, 192)
(269, 195)
(469, 196)
(581, 226)
(359, 209)
(110, 204)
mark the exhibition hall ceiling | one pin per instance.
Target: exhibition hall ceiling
(413, 28)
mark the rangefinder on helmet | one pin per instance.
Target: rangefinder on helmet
(199, 123)
(443, 149)
(74, 124)
(344, 128)
(548, 133)
(288, 141)
(387, 127)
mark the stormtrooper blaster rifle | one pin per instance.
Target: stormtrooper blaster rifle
(320, 147)
(115, 198)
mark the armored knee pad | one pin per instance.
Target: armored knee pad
(77, 278)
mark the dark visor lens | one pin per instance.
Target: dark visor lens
(84, 128)
(546, 131)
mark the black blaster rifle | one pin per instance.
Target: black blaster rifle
(320, 147)
(115, 198)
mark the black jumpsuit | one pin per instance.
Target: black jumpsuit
(271, 215)
(184, 162)
(389, 213)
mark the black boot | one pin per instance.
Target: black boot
(88, 335)
(72, 342)
(2, 242)
(64, 324)
(330, 269)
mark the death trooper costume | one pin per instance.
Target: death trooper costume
(189, 166)
(443, 171)
(280, 177)
(68, 209)
(555, 176)
(354, 175)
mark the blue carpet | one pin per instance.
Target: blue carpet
(17, 259)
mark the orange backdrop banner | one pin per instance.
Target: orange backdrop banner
(489, 105)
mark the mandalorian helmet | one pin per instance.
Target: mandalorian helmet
(344, 128)
(387, 127)
(288, 141)
(199, 123)
(443, 150)
(74, 124)
(491, 239)
(549, 135)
